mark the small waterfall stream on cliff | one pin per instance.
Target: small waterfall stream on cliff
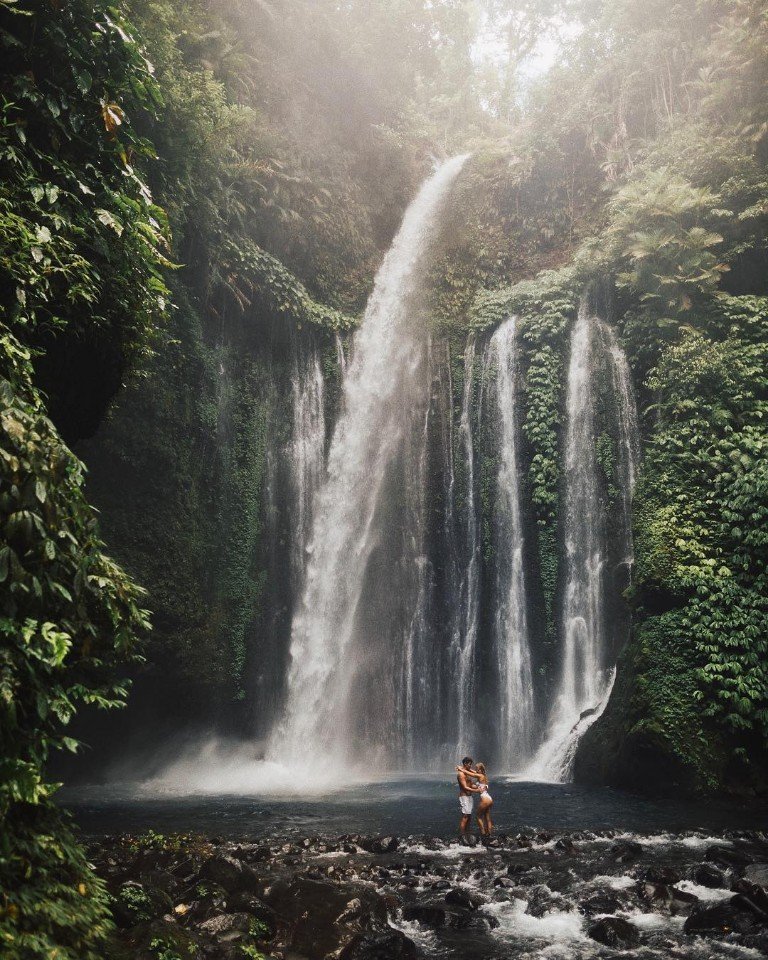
(385, 379)
(306, 452)
(587, 670)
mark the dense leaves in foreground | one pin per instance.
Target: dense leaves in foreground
(80, 257)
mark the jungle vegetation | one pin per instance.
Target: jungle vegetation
(180, 181)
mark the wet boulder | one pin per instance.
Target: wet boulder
(265, 917)
(324, 916)
(565, 845)
(727, 856)
(601, 903)
(661, 874)
(392, 945)
(458, 897)
(752, 897)
(379, 844)
(430, 914)
(708, 875)
(615, 932)
(757, 874)
(506, 883)
(720, 919)
(626, 851)
(663, 897)
(541, 901)
(231, 874)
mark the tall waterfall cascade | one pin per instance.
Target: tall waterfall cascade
(330, 651)
(467, 599)
(510, 637)
(587, 670)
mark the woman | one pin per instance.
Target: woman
(478, 774)
(486, 801)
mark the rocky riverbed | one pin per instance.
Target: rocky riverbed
(570, 895)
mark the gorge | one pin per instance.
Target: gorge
(382, 383)
(411, 560)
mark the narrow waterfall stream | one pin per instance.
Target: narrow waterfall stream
(587, 669)
(306, 452)
(386, 376)
(511, 642)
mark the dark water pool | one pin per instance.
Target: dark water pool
(402, 805)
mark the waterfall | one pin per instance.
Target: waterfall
(306, 451)
(587, 671)
(510, 639)
(341, 356)
(467, 600)
(385, 381)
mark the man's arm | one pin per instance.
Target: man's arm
(464, 784)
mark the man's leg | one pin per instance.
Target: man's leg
(464, 824)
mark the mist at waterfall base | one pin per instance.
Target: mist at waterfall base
(392, 664)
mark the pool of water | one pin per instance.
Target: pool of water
(401, 805)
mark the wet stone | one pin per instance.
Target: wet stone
(615, 932)
(626, 851)
(708, 875)
(721, 919)
(392, 945)
(727, 856)
(601, 903)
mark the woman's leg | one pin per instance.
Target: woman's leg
(481, 810)
(488, 821)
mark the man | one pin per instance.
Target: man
(466, 795)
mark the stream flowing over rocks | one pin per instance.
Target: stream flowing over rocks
(361, 897)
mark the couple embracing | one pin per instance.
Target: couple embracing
(474, 780)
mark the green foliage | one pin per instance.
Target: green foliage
(82, 242)
(701, 516)
(68, 615)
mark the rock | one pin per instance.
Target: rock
(136, 903)
(752, 897)
(226, 927)
(441, 885)
(721, 918)
(462, 898)
(565, 845)
(601, 903)
(532, 877)
(658, 874)
(614, 932)
(430, 914)
(264, 916)
(379, 844)
(468, 840)
(392, 945)
(757, 873)
(727, 856)
(626, 851)
(708, 875)
(668, 898)
(542, 901)
(320, 916)
(229, 873)
(507, 883)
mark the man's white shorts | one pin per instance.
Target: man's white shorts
(467, 803)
